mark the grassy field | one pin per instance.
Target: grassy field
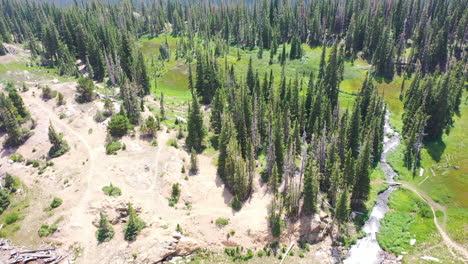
(411, 218)
(445, 177)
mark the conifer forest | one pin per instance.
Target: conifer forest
(222, 131)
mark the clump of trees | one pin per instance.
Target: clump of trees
(118, 126)
(13, 114)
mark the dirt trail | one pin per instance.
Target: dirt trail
(448, 241)
(78, 214)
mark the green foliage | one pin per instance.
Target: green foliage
(150, 126)
(47, 230)
(4, 201)
(85, 90)
(195, 127)
(173, 143)
(59, 145)
(237, 253)
(12, 217)
(236, 204)
(193, 162)
(118, 126)
(56, 202)
(113, 146)
(222, 222)
(175, 194)
(112, 190)
(105, 231)
(134, 225)
(16, 157)
(12, 183)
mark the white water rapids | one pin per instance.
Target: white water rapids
(367, 250)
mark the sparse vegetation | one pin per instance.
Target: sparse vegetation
(175, 194)
(47, 230)
(112, 190)
(113, 146)
(222, 222)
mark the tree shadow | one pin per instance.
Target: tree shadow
(435, 148)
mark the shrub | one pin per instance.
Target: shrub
(222, 222)
(112, 147)
(59, 145)
(62, 115)
(175, 194)
(173, 143)
(11, 183)
(301, 255)
(56, 202)
(85, 90)
(60, 99)
(4, 201)
(34, 163)
(112, 190)
(12, 218)
(118, 126)
(260, 253)
(46, 230)
(46, 93)
(16, 157)
(99, 117)
(150, 126)
(236, 204)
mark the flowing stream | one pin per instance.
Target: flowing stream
(367, 250)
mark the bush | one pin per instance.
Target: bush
(112, 147)
(118, 126)
(260, 253)
(16, 157)
(12, 183)
(112, 190)
(4, 201)
(175, 195)
(173, 143)
(99, 117)
(62, 115)
(56, 202)
(46, 230)
(47, 93)
(12, 218)
(34, 163)
(85, 90)
(236, 203)
(222, 222)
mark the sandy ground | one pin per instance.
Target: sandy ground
(144, 173)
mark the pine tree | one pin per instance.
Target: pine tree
(217, 111)
(9, 121)
(134, 224)
(361, 186)
(59, 145)
(162, 109)
(250, 77)
(193, 162)
(105, 230)
(310, 188)
(342, 210)
(3, 50)
(195, 127)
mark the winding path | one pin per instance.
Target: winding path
(447, 240)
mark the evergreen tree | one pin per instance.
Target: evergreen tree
(195, 127)
(134, 224)
(341, 210)
(310, 188)
(10, 123)
(59, 145)
(193, 162)
(361, 186)
(105, 230)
